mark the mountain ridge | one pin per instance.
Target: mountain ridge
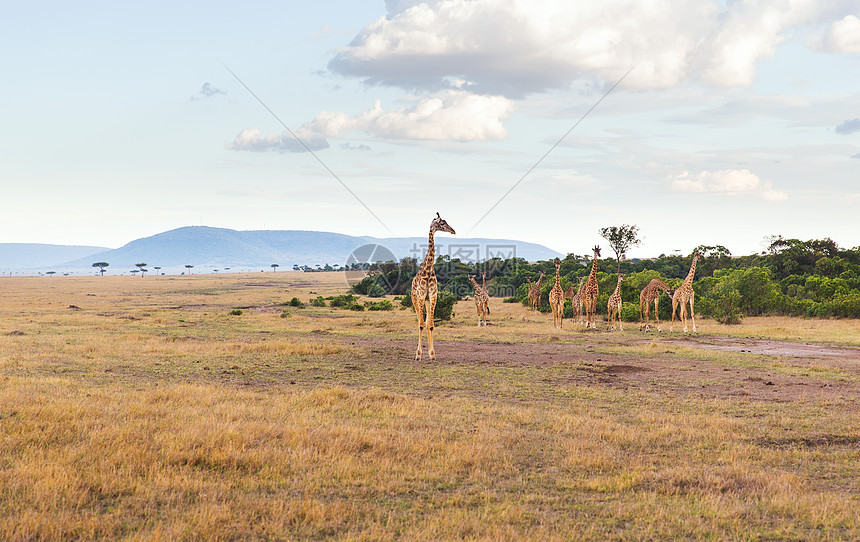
(206, 246)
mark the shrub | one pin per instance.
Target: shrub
(510, 300)
(318, 302)
(356, 307)
(295, 302)
(236, 312)
(384, 305)
(344, 300)
(445, 305)
(725, 303)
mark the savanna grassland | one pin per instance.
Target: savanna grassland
(140, 408)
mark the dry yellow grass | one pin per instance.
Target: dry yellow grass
(150, 413)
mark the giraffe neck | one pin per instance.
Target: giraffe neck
(689, 280)
(617, 287)
(474, 283)
(592, 277)
(557, 282)
(430, 258)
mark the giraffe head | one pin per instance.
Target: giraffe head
(697, 256)
(596, 251)
(557, 264)
(621, 277)
(439, 224)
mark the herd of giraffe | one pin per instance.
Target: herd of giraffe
(425, 291)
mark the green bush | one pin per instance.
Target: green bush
(295, 302)
(236, 312)
(510, 300)
(384, 305)
(444, 305)
(343, 301)
(724, 303)
(318, 302)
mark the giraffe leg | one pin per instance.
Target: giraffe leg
(657, 313)
(684, 315)
(693, 315)
(672, 325)
(419, 310)
(430, 310)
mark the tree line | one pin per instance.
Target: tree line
(813, 278)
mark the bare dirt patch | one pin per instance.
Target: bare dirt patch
(663, 370)
(771, 347)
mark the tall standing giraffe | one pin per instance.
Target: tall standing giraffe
(614, 305)
(650, 293)
(556, 298)
(683, 295)
(481, 301)
(424, 288)
(575, 295)
(534, 293)
(589, 295)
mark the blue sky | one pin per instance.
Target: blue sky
(739, 120)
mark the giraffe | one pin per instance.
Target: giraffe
(614, 305)
(556, 298)
(589, 295)
(683, 295)
(424, 288)
(576, 298)
(481, 301)
(534, 293)
(650, 293)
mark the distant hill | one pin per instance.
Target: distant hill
(35, 255)
(203, 246)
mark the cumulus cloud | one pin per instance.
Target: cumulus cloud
(843, 36)
(508, 48)
(207, 91)
(848, 127)
(457, 116)
(253, 139)
(727, 182)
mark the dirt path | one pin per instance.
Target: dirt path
(771, 347)
(781, 371)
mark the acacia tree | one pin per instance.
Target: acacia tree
(275, 267)
(141, 267)
(188, 267)
(621, 239)
(101, 266)
(157, 269)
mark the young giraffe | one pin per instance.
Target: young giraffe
(650, 293)
(574, 293)
(534, 293)
(614, 305)
(556, 298)
(589, 295)
(683, 295)
(424, 288)
(481, 301)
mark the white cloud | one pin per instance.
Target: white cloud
(253, 139)
(727, 182)
(458, 116)
(843, 36)
(514, 48)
